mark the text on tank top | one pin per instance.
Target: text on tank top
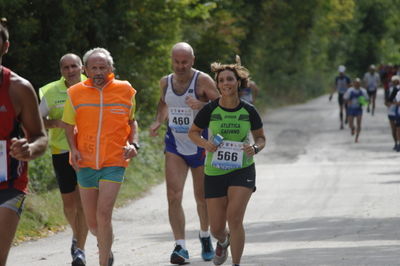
(180, 115)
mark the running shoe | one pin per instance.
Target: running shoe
(73, 247)
(179, 256)
(221, 253)
(79, 258)
(398, 148)
(111, 259)
(207, 250)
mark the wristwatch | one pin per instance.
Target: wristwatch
(136, 145)
(256, 148)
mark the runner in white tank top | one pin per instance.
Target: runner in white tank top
(183, 93)
(180, 115)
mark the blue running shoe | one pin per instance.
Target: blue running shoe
(73, 247)
(207, 250)
(179, 256)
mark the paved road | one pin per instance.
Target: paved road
(321, 200)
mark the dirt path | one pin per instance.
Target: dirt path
(321, 200)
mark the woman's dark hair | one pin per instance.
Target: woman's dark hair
(240, 72)
(3, 29)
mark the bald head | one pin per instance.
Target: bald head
(182, 47)
(71, 68)
(72, 57)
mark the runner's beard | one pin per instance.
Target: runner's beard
(98, 80)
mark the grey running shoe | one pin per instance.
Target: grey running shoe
(79, 258)
(221, 253)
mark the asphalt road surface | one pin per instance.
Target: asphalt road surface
(321, 199)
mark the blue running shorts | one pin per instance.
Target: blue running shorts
(90, 178)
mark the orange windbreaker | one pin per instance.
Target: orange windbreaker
(102, 118)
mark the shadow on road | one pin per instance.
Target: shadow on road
(324, 229)
(349, 256)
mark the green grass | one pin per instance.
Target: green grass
(43, 214)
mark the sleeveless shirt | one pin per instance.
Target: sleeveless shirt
(13, 173)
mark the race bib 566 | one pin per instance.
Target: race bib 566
(229, 155)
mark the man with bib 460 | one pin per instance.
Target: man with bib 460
(183, 93)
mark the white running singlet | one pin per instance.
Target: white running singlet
(180, 115)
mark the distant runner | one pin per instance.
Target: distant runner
(355, 97)
(371, 82)
(250, 92)
(392, 109)
(342, 83)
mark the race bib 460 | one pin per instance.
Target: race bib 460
(180, 119)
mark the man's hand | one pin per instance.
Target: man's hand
(75, 158)
(154, 128)
(20, 149)
(194, 103)
(129, 151)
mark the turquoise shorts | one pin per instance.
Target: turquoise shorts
(90, 178)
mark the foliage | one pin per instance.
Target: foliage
(41, 174)
(292, 49)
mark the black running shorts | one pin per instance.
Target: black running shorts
(217, 186)
(12, 199)
(340, 99)
(65, 173)
(371, 93)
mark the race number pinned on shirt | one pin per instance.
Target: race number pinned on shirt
(180, 119)
(3, 161)
(229, 155)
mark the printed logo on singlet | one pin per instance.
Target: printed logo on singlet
(3, 109)
(216, 117)
(190, 91)
(244, 118)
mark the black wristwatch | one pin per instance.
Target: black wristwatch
(256, 148)
(136, 145)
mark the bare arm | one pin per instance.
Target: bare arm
(333, 90)
(162, 110)
(259, 140)
(75, 154)
(206, 90)
(195, 136)
(25, 104)
(130, 150)
(53, 123)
